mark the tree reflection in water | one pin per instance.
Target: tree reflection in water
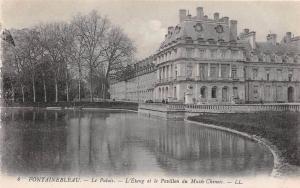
(122, 143)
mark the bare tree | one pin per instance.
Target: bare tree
(54, 40)
(31, 54)
(77, 62)
(91, 31)
(10, 68)
(118, 49)
(88, 50)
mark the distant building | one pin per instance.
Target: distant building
(138, 86)
(204, 60)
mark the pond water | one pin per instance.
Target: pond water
(118, 143)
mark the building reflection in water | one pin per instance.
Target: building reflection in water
(122, 143)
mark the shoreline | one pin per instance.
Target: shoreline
(279, 165)
(68, 108)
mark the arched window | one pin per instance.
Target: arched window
(203, 92)
(214, 92)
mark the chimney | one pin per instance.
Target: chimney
(246, 31)
(200, 13)
(226, 20)
(170, 29)
(288, 37)
(189, 16)
(216, 16)
(182, 15)
(272, 38)
(233, 30)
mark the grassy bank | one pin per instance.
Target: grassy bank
(282, 129)
(103, 104)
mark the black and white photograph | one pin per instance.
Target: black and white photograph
(148, 93)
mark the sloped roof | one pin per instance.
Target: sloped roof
(282, 48)
(186, 29)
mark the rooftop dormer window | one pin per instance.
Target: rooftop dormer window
(189, 40)
(219, 29)
(211, 41)
(198, 27)
(177, 29)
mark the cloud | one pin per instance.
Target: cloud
(147, 35)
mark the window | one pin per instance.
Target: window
(234, 71)
(175, 53)
(203, 92)
(235, 93)
(176, 73)
(279, 74)
(160, 73)
(202, 53)
(267, 74)
(225, 71)
(214, 71)
(254, 73)
(279, 93)
(214, 92)
(189, 70)
(278, 59)
(175, 92)
(290, 77)
(189, 52)
(202, 71)
(267, 93)
(213, 53)
(255, 92)
(234, 54)
(223, 54)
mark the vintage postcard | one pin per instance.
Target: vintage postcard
(147, 93)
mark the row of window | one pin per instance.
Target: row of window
(214, 89)
(200, 53)
(164, 92)
(278, 93)
(275, 58)
(217, 71)
(279, 74)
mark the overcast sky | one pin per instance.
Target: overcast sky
(146, 21)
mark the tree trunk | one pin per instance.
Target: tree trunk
(79, 90)
(33, 89)
(23, 96)
(67, 92)
(91, 85)
(67, 86)
(13, 93)
(104, 91)
(79, 82)
(56, 90)
(45, 91)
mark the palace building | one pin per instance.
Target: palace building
(205, 61)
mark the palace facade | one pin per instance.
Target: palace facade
(206, 61)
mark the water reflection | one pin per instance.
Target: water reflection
(119, 143)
